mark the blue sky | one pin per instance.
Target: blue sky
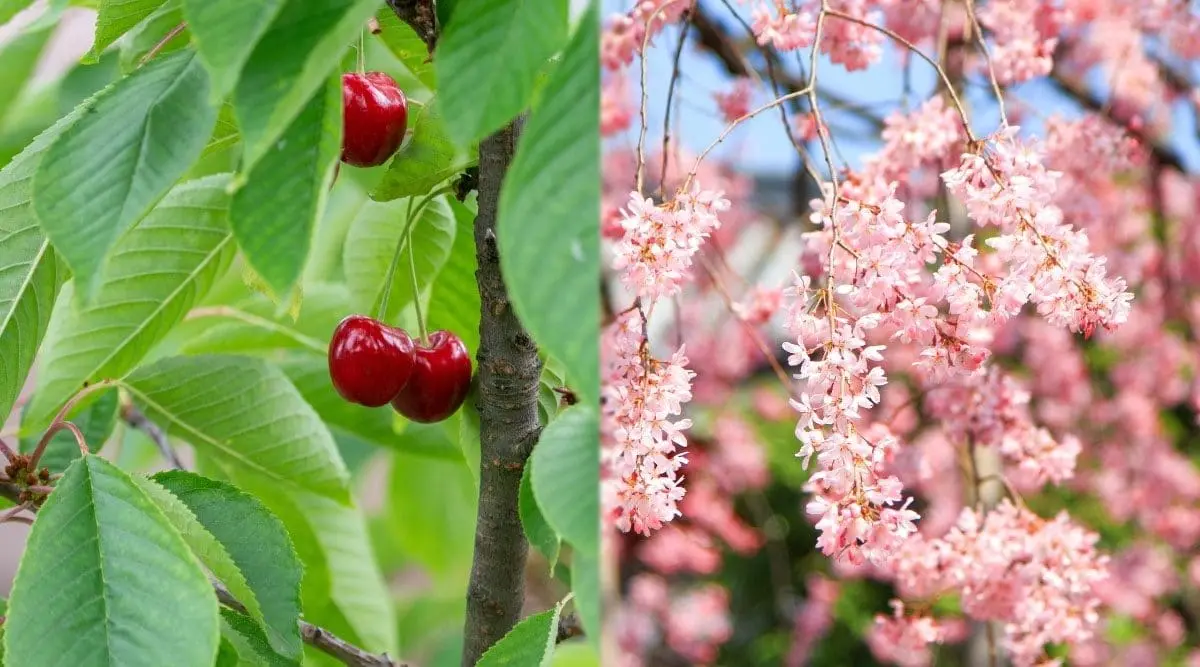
(760, 144)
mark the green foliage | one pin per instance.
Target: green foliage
(226, 32)
(245, 412)
(291, 61)
(34, 274)
(257, 543)
(138, 136)
(428, 160)
(137, 595)
(565, 467)
(539, 533)
(529, 644)
(548, 234)
(20, 56)
(273, 215)
(493, 50)
(433, 520)
(404, 43)
(115, 18)
(377, 248)
(157, 272)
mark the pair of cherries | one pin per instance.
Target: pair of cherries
(374, 364)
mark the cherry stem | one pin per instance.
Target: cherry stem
(412, 266)
(7, 451)
(362, 59)
(60, 423)
(11, 514)
(413, 212)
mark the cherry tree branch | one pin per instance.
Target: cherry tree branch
(509, 369)
(139, 421)
(319, 638)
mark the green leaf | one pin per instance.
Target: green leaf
(585, 584)
(273, 214)
(529, 644)
(548, 231)
(227, 655)
(371, 246)
(226, 32)
(291, 62)
(407, 46)
(540, 534)
(95, 418)
(245, 413)
(428, 159)
(111, 167)
(251, 325)
(310, 375)
(20, 56)
(212, 555)
(493, 50)
(155, 274)
(32, 273)
(258, 544)
(106, 580)
(251, 644)
(566, 476)
(431, 509)
(454, 300)
(575, 653)
(343, 589)
(115, 18)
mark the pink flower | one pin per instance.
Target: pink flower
(641, 431)
(736, 102)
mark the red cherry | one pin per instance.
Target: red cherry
(440, 381)
(369, 362)
(375, 115)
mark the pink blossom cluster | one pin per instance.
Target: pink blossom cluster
(928, 137)
(735, 102)
(991, 410)
(860, 509)
(654, 257)
(1023, 38)
(904, 639)
(854, 46)
(1040, 578)
(693, 622)
(641, 429)
(778, 25)
(1048, 261)
(624, 34)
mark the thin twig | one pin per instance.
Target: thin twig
(962, 112)
(138, 420)
(318, 637)
(987, 58)
(662, 178)
(11, 514)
